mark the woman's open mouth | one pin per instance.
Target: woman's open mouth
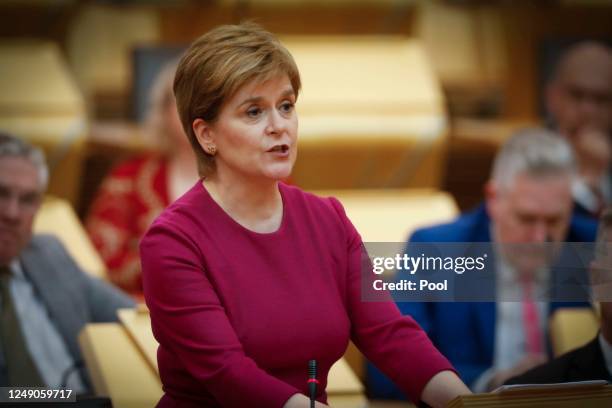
(280, 150)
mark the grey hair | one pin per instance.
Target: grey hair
(11, 146)
(535, 152)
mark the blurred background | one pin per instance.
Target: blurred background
(75, 75)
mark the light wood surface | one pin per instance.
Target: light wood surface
(35, 80)
(41, 103)
(400, 80)
(117, 368)
(571, 328)
(390, 216)
(386, 131)
(56, 216)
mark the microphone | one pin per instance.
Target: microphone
(312, 381)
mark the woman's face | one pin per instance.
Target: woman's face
(256, 131)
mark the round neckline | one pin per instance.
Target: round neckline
(220, 209)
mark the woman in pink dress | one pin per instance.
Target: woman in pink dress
(248, 279)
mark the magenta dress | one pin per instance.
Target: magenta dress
(238, 314)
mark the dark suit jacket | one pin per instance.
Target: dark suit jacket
(582, 364)
(464, 332)
(72, 298)
(582, 210)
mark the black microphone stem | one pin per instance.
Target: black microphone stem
(312, 382)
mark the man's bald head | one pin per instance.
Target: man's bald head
(579, 95)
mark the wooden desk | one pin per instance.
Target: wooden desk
(564, 396)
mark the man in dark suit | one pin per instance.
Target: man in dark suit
(46, 299)
(593, 361)
(528, 200)
(579, 105)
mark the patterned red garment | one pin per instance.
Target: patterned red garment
(129, 199)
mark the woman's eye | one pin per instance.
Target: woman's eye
(286, 107)
(253, 112)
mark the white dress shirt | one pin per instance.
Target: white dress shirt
(510, 338)
(584, 196)
(45, 343)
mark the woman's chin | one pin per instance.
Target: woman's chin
(279, 173)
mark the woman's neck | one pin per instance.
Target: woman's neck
(255, 204)
(182, 172)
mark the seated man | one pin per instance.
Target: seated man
(593, 361)
(579, 105)
(528, 200)
(45, 298)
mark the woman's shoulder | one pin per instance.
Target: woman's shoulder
(326, 210)
(296, 196)
(190, 204)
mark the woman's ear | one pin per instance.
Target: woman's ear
(204, 134)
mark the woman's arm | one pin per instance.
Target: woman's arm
(394, 343)
(443, 388)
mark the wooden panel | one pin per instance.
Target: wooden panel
(388, 131)
(308, 17)
(571, 328)
(41, 103)
(526, 26)
(57, 217)
(559, 397)
(117, 368)
(391, 215)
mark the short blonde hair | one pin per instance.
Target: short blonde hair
(217, 65)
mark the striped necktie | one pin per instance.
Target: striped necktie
(21, 369)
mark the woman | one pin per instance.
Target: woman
(137, 190)
(246, 278)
